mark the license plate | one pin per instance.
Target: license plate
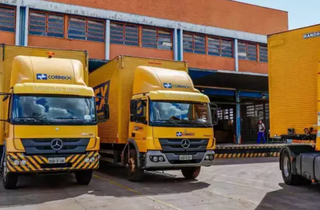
(57, 160)
(185, 157)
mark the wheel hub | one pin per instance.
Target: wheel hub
(286, 166)
(4, 171)
(132, 164)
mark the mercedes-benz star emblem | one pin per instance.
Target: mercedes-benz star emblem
(56, 144)
(185, 143)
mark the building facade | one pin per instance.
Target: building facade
(223, 41)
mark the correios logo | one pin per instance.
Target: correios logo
(167, 85)
(52, 77)
(179, 134)
(42, 77)
(170, 85)
(102, 93)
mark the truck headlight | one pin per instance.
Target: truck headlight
(16, 162)
(155, 159)
(23, 162)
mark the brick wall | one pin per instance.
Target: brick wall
(219, 13)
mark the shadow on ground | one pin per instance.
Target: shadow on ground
(109, 182)
(292, 197)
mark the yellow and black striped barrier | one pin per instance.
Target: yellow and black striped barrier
(21, 163)
(247, 155)
(248, 150)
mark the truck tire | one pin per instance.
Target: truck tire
(191, 173)
(288, 177)
(83, 177)
(9, 180)
(134, 173)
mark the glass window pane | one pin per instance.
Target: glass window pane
(7, 19)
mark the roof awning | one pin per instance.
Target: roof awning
(96, 63)
(215, 78)
(230, 79)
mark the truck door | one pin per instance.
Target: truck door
(139, 124)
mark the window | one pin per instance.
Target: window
(220, 47)
(124, 34)
(46, 24)
(157, 38)
(247, 51)
(263, 53)
(7, 19)
(86, 29)
(138, 109)
(194, 43)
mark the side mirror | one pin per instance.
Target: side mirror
(215, 118)
(6, 95)
(106, 112)
(132, 118)
(133, 109)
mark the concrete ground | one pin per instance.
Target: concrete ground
(253, 183)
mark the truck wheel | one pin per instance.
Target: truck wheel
(9, 180)
(134, 173)
(191, 173)
(83, 177)
(288, 177)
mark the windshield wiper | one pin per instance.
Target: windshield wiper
(172, 121)
(74, 119)
(199, 123)
(32, 118)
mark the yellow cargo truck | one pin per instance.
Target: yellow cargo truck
(48, 116)
(294, 85)
(158, 120)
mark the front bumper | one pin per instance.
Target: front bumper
(167, 165)
(39, 164)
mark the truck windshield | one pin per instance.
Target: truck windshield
(53, 110)
(180, 114)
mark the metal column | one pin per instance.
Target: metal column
(24, 23)
(107, 40)
(17, 35)
(238, 118)
(180, 44)
(236, 55)
(175, 44)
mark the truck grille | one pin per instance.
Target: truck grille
(172, 149)
(43, 146)
(174, 145)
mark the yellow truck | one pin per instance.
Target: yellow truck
(48, 116)
(294, 87)
(158, 120)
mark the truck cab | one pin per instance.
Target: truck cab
(50, 120)
(170, 121)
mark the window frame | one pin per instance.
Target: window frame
(47, 14)
(14, 18)
(156, 44)
(194, 50)
(221, 39)
(265, 59)
(246, 50)
(87, 19)
(124, 40)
